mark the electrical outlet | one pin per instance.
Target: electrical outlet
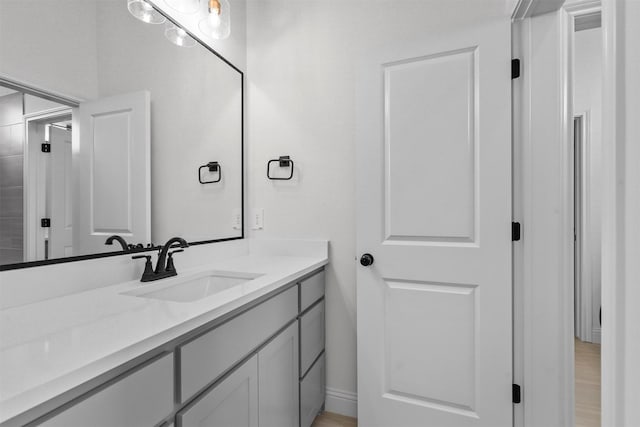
(237, 219)
(257, 218)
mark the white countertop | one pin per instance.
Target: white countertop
(52, 346)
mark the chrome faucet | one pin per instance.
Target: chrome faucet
(164, 266)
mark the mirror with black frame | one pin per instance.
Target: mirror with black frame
(112, 127)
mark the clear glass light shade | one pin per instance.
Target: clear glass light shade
(145, 12)
(217, 23)
(178, 36)
(184, 6)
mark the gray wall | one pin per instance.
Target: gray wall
(37, 37)
(195, 118)
(11, 178)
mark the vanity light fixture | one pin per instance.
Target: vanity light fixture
(184, 6)
(217, 23)
(142, 10)
(178, 36)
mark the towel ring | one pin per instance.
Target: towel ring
(213, 167)
(283, 162)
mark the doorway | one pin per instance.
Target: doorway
(587, 144)
(548, 312)
(48, 178)
(586, 285)
(35, 184)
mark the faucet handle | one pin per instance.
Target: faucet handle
(148, 267)
(170, 265)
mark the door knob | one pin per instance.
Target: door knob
(366, 260)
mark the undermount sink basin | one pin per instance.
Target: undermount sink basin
(193, 288)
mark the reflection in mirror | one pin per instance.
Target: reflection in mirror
(142, 114)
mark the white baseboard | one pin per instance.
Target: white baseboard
(341, 402)
(595, 336)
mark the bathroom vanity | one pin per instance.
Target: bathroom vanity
(237, 337)
(237, 342)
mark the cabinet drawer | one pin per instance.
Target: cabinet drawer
(207, 357)
(143, 398)
(233, 402)
(311, 290)
(311, 336)
(312, 390)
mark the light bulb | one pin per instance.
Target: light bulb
(214, 20)
(178, 36)
(217, 23)
(143, 11)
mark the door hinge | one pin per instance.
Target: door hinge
(515, 68)
(515, 231)
(45, 222)
(517, 397)
(46, 147)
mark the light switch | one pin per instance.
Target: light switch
(257, 218)
(237, 219)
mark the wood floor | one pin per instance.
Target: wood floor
(587, 365)
(329, 419)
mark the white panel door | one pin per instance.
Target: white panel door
(61, 232)
(111, 166)
(434, 210)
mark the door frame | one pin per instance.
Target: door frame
(616, 391)
(543, 258)
(544, 203)
(33, 200)
(621, 208)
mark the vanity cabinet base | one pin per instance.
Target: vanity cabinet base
(312, 356)
(261, 366)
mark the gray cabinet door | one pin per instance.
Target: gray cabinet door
(143, 398)
(231, 403)
(278, 380)
(207, 357)
(312, 388)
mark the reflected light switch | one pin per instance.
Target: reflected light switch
(237, 219)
